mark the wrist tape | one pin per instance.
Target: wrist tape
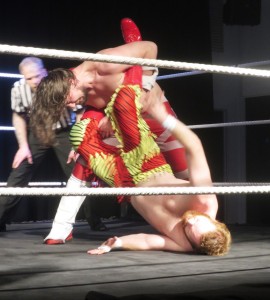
(169, 123)
(117, 244)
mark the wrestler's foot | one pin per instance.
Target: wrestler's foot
(59, 242)
(100, 226)
(130, 31)
(96, 224)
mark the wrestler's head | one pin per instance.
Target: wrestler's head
(206, 235)
(32, 69)
(54, 89)
(53, 94)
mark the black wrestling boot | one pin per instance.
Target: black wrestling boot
(97, 225)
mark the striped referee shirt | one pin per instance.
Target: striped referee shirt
(21, 102)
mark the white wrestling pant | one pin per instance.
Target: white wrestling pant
(66, 212)
(70, 205)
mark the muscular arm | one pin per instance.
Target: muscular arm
(199, 173)
(142, 49)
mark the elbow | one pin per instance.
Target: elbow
(195, 145)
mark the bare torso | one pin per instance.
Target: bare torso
(164, 212)
(99, 85)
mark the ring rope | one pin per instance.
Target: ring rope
(63, 54)
(243, 123)
(191, 73)
(39, 184)
(63, 183)
(110, 191)
(246, 123)
(161, 77)
(7, 128)
(9, 75)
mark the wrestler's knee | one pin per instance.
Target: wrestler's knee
(184, 174)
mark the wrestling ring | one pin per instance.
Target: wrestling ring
(32, 270)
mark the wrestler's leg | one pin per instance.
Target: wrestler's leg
(131, 33)
(67, 210)
(83, 136)
(100, 156)
(124, 111)
(172, 150)
(140, 153)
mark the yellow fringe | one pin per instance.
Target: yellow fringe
(77, 132)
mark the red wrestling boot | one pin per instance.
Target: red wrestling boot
(59, 242)
(130, 31)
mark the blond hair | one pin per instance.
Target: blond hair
(216, 243)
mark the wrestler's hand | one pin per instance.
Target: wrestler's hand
(144, 100)
(73, 155)
(152, 101)
(106, 246)
(105, 127)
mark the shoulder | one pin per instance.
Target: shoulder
(20, 82)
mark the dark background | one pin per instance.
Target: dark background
(180, 28)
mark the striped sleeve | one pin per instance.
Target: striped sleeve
(21, 97)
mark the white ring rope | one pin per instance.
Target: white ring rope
(161, 77)
(191, 73)
(63, 183)
(9, 75)
(243, 123)
(110, 191)
(39, 184)
(7, 128)
(75, 55)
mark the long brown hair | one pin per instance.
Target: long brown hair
(49, 103)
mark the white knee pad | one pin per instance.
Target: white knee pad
(148, 81)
